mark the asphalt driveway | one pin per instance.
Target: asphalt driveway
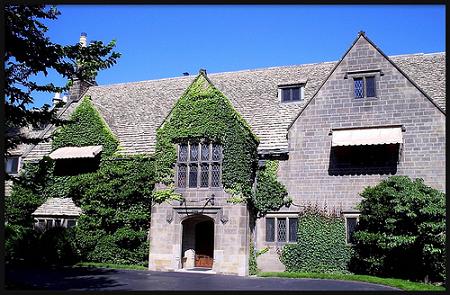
(101, 279)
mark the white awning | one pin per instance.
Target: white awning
(367, 136)
(76, 152)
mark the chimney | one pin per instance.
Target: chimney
(57, 100)
(202, 71)
(78, 87)
(83, 39)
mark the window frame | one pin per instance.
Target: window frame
(364, 86)
(199, 163)
(346, 217)
(276, 217)
(301, 88)
(19, 160)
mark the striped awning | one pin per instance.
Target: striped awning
(73, 152)
(367, 136)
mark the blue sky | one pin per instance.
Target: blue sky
(165, 41)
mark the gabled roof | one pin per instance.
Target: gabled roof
(135, 110)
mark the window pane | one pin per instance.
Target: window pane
(281, 223)
(285, 94)
(204, 175)
(57, 222)
(49, 223)
(293, 223)
(370, 84)
(270, 229)
(194, 152)
(295, 93)
(359, 87)
(12, 165)
(41, 223)
(215, 175)
(216, 152)
(351, 226)
(182, 153)
(71, 223)
(182, 175)
(193, 171)
(205, 152)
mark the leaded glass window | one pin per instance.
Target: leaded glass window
(199, 165)
(205, 152)
(204, 175)
(270, 229)
(216, 152)
(359, 87)
(293, 225)
(194, 153)
(364, 87)
(182, 171)
(182, 153)
(281, 230)
(193, 174)
(215, 175)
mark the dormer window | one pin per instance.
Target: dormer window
(289, 93)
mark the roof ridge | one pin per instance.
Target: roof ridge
(252, 70)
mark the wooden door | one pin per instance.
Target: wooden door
(203, 261)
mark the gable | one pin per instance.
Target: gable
(364, 58)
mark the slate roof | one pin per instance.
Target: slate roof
(58, 207)
(75, 152)
(135, 110)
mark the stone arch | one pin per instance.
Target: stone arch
(197, 242)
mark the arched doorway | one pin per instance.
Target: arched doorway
(198, 242)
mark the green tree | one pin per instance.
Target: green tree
(29, 52)
(401, 230)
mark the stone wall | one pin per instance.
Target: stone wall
(398, 102)
(231, 227)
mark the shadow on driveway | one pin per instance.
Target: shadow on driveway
(102, 279)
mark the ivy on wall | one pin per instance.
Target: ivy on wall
(270, 194)
(321, 244)
(116, 199)
(86, 127)
(203, 112)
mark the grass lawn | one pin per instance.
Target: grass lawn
(396, 283)
(111, 265)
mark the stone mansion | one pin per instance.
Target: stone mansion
(335, 128)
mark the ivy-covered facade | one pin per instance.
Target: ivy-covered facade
(238, 156)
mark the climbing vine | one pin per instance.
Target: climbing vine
(86, 127)
(321, 244)
(115, 199)
(270, 193)
(203, 112)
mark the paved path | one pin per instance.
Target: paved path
(81, 278)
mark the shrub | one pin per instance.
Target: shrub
(321, 244)
(401, 230)
(57, 246)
